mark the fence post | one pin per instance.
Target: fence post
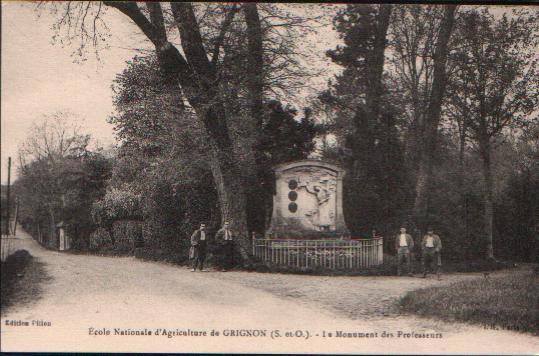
(297, 254)
(351, 255)
(285, 252)
(317, 254)
(381, 251)
(363, 254)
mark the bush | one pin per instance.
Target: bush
(124, 233)
(115, 205)
(100, 239)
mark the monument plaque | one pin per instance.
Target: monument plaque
(307, 202)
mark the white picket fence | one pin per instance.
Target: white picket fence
(332, 254)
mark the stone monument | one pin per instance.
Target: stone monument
(307, 201)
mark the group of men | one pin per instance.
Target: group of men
(431, 247)
(223, 243)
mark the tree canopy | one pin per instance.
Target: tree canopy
(432, 105)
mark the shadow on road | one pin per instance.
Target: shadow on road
(22, 278)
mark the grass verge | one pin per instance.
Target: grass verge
(21, 278)
(506, 302)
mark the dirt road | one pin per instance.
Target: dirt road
(90, 294)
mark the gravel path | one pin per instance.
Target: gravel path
(86, 292)
(365, 298)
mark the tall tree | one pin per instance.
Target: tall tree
(495, 86)
(412, 36)
(364, 119)
(427, 155)
(198, 70)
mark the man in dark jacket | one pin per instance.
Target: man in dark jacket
(225, 238)
(199, 241)
(431, 247)
(404, 244)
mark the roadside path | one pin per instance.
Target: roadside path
(87, 291)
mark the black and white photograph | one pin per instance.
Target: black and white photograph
(286, 178)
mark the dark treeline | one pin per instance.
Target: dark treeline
(434, 133)
(434, 118)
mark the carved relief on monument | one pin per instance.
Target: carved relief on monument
(322, 185)
(308, 200)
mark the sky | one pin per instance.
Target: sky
(39, 78)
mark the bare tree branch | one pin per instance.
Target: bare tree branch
(191, 39)
(131, 10)
(221, 37)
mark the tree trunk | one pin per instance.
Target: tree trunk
(432, 119)
(487, 196)
(255, 80)
(197, 77)
(231, 195)
(462, 185)
(412, 144)
(462, 144)
(52, 223)
(376, 62)
(226, 174)
(255, 85)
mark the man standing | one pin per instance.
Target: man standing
(404, 245)
(431, 247)
(225, 238)
(199, 244)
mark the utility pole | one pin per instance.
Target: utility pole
(7, 200)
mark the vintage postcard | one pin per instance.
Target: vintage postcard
(317, 178)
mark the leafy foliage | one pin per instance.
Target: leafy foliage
(162, 176)
(116, 205)
(60, 185)
(495, 80)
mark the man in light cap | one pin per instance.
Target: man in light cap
(404, 244)
(431, 247)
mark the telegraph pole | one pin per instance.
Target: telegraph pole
(7, 200)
